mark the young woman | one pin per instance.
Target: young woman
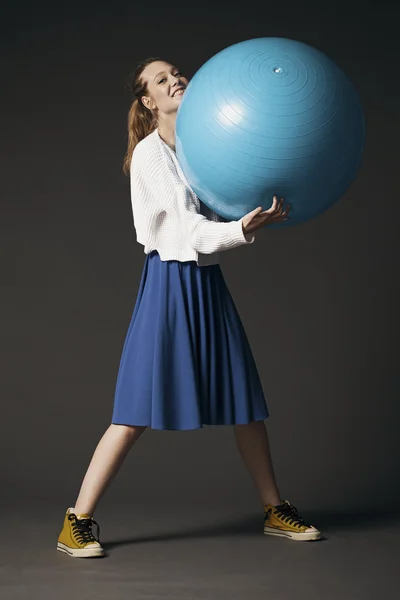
(186, 360)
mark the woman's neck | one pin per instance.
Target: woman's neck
(166, 130)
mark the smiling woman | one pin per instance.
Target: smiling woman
(186, 360)
(154, 83)
(165, 88)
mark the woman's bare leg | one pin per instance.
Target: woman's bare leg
(253, 444)
(106, 461)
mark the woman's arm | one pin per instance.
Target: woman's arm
(157, 176)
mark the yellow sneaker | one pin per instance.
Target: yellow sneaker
(76, 537)
(285, 520)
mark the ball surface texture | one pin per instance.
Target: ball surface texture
(265, 117)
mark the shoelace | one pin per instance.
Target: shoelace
(82, 529)
(288, 513)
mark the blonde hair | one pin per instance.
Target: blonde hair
(141, 120)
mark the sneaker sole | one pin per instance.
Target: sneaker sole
(300, 537)
(80, 552)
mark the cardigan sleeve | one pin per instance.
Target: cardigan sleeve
(168, 193)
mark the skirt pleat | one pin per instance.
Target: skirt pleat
(186, 360)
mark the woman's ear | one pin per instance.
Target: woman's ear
(147, 102)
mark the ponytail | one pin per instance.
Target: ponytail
(141, 121)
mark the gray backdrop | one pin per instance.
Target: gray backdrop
(319, 301)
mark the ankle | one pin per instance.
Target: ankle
(273, 501)
(81, 512)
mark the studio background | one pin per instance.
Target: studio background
(319, 301)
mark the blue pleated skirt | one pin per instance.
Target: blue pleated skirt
(186, 361)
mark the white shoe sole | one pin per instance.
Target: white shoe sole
(80, 552)
(300, 537)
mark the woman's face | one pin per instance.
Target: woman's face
(166, 86)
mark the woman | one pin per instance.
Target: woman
(186, 360)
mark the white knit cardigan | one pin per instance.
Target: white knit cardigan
(167, 214)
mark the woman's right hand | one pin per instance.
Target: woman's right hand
(256, 218)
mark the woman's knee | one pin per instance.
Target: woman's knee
(130, 431)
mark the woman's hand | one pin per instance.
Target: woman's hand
(256, 219)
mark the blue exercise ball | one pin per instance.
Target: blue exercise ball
(265, 117)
